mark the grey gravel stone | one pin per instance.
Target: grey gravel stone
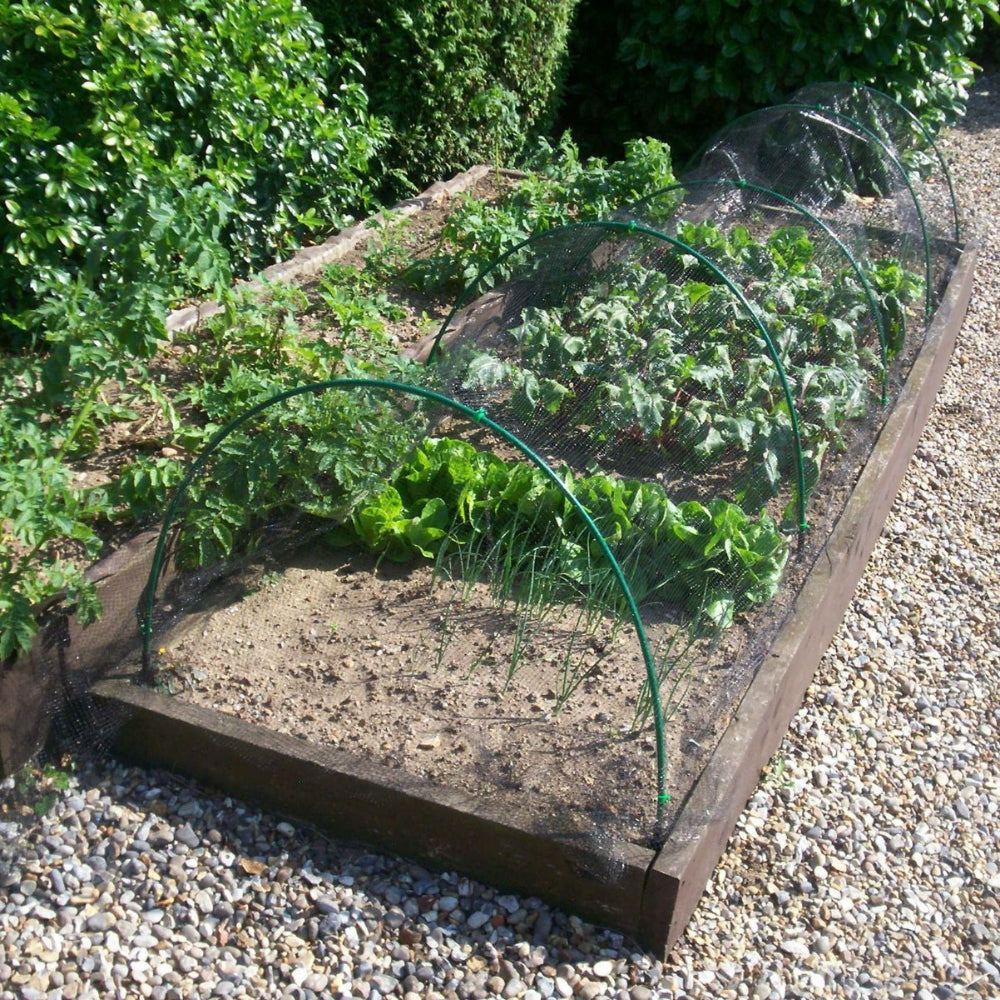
(187, 836)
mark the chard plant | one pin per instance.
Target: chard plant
(664, 358)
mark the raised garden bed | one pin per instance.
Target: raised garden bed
(646, 891)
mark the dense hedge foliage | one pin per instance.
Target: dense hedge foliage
(680, 69)
(460, 81)
(148, 153)
(986, 51)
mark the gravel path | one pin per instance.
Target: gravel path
(866, 864)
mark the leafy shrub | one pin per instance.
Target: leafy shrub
(460, 81)
(680, 70)
(45, 533)
(149, 153)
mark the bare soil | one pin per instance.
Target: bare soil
(435, 676)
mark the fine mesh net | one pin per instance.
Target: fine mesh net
(835, 168)
(712, 365)
(791, 266)
(438, 609)
(544, 571)
(912, 145)
(646, 358)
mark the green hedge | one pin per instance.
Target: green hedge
(679, 70)
(986, 51)
(148, 153)
(459, 81)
